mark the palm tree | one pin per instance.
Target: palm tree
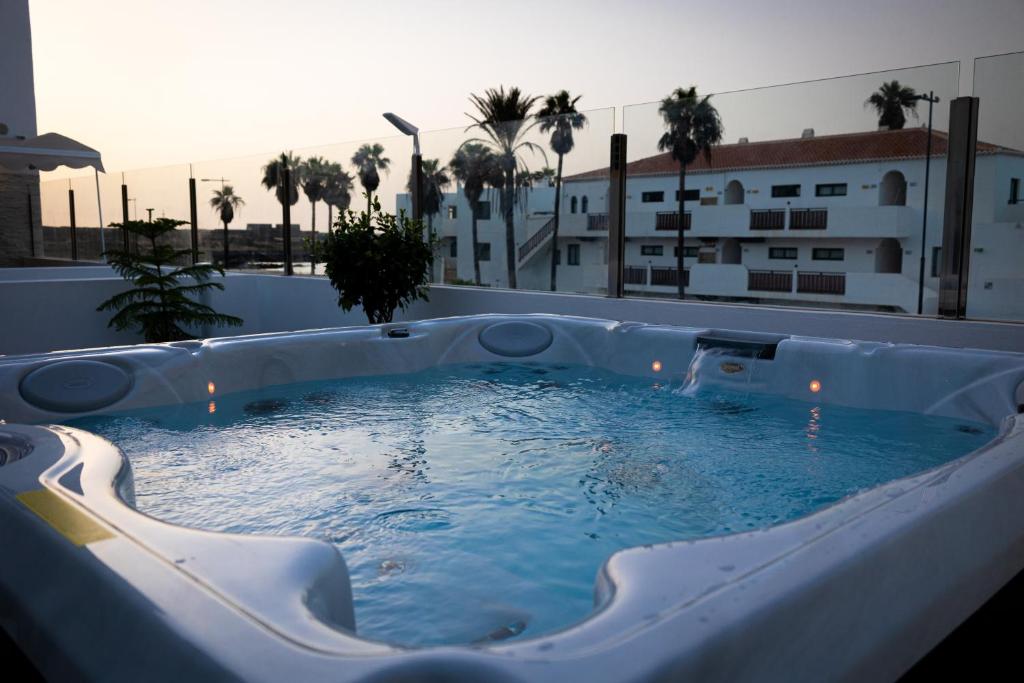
(559, 116)
(273, 177)
(889, 102)
(476, 167)
(337, 191)
(225, 202)
(313, 179)
(435, 180)
(693, 126)
(504, 117)
(369, 161)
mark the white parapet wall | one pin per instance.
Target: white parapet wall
(49, 309)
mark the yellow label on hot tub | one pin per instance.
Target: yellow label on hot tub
(65, 517)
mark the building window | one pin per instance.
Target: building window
(483, 251)
(936, 261)
(785, 190)
(1015, 190)
(573, 255)
(784, 252)
(688, 252)
(558, 257)
(572, 204)
(584, 204)
(830, 190)
(650, 197)
(453, 211)
(827, 254)
(691, 195)
(651, 250)
(453, 247)
(483, 211)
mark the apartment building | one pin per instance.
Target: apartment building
(830, 219)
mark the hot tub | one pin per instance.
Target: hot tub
(849, 583)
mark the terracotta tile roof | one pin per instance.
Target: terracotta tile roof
(824, 150)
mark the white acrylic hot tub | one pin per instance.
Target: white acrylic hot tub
(862, 589)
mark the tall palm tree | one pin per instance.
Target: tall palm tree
(369, 160)
(505, 119)
(337, 191)
(559, 115)
(273, 177)
(435, 180)
(692, 126)
(313, 180)
(225, 202)
(476, 167)
(889, 102)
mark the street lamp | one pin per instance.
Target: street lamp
(407, 128)
(931, 99)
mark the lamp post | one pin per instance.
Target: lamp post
(931, 99)
(417, 169)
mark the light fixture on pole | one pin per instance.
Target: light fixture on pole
(931, 99)
(416, 190)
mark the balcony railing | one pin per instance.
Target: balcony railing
(767, 219)
(669, 220)
(597, 221)
(667, 276)
(808, 219)
(821, 283)
(538, 237)
(770, 281)
(634, 275)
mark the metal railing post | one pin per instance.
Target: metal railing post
(416, 196)
(959, 204)
(194, 217)
(616, 215)
(124, 214)
(286, 216)
(74, 227)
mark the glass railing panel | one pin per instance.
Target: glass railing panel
(996, 271)
(565, 255)
(803, 194)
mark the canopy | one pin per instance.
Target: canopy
(46, 152)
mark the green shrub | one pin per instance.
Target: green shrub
(377, 260)
(159, 304)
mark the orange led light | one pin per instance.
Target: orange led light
(656, 366)
(212, 408)
(814, 386)
(211, 387)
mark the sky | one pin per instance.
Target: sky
(151, 82)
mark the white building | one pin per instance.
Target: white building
(830, 220)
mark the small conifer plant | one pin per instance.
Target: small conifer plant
(160, 303)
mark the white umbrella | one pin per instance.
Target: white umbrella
(48, 151)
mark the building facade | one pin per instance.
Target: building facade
(21, 233)
(818, 220)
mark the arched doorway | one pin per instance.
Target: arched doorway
(889, 256)
(584, 205)
(731, 251)
(734, 192)
(572, 204)
(892, 191)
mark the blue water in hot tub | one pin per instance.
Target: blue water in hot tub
(478, 502)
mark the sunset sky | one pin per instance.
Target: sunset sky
(152, 83)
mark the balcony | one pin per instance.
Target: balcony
(770, 281)
(821, 283)
(597, 221)
(808, 219)
(668, 276)
(669, 220)
(634, 275)
(767, 219)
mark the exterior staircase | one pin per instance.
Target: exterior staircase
(532, 246)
